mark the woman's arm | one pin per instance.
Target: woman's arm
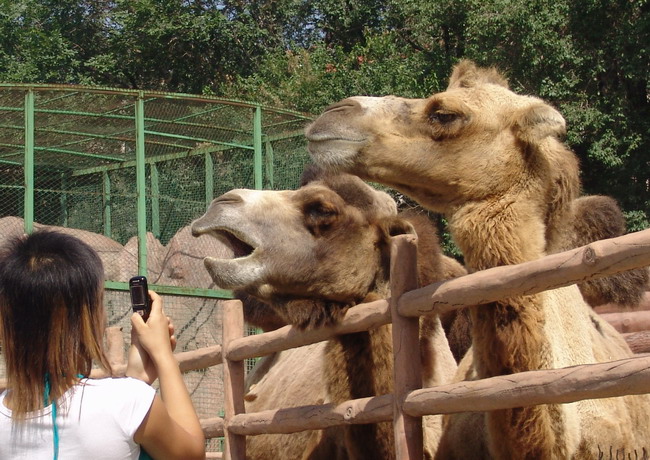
(171, 429)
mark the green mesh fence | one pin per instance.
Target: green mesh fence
(127, 171)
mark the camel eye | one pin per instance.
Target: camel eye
(444, 117)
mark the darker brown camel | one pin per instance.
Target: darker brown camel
(311, 254)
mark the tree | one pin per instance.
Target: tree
(590, 58)
(587, 57)
(48, 41)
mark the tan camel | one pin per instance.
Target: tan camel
(313, 253)
(492, 161)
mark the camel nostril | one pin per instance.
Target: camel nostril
(344, 105)
(229, 198)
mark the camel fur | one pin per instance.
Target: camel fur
(493, 162)
(594, 218)
(313, 253)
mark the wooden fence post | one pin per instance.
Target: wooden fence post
(115, 351)
(407, 373)
(233, 379)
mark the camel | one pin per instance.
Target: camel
(290, 378)
(493, 162)
(594, 218)
(313, 253)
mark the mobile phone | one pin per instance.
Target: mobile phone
(140, 296)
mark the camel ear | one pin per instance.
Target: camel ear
(320, 214)
(362, 196)
(397, 226)
(536, 122)
(466, 75)
(533, 126)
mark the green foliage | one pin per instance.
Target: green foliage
(40, 41)
(171, 45)
(589, 58)
(308, 81)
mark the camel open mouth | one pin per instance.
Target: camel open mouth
(235, 242)
(242, 269)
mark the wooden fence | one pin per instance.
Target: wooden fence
(410, 402)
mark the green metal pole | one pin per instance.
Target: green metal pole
(64, 200)
(155, 200)
(209, 179)
(141, 185)
(107, 204)
(29, 161)
(269, 164)
(257, 145)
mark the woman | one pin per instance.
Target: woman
(52, 322)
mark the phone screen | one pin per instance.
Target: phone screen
(140, 296)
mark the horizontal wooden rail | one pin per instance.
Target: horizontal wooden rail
(360, 318)
(262, 343)
(477, 288)
(570, 384)
(187, 361)
(597, 259)
(314, 417)
(639, 342)
(200, 358)
(212, 427)
(589, 381)
(629, 321)
(644, 304)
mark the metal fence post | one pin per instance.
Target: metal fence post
(141, 185)
(209, 179)
(29, 162)
(257, 146)
(106, 182)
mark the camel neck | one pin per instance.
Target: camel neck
(508, 335)
(496, 233)
(360, 365)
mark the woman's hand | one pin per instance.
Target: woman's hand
(171, 429)
(157, 333)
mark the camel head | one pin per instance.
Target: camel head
(310, 252)
(473, 142)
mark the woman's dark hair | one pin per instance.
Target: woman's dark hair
(51, 315)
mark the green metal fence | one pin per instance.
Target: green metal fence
(127, 171)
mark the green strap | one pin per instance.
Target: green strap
(144, 455)
(46, 401)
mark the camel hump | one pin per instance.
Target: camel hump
(596, 217)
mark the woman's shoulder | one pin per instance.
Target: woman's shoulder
(116, 382)
(121, 386)
(112, 396)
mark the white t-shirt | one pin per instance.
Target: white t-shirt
(96, 419)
